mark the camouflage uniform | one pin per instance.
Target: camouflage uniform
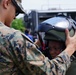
(19, 56)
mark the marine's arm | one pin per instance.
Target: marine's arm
(70, 43)
(62, 61)
(56, 66)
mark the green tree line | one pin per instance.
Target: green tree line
(18, 24)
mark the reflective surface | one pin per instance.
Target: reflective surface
(60, 22)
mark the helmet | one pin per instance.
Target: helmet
(54, 28)
(17, 4)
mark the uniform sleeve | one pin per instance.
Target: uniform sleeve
(57, 66)
(40, 65)
(16, 40)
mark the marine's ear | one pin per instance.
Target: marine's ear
(6, 3)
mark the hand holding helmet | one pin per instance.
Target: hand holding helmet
(70, 42)
(54, 29)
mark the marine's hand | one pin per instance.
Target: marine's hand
(70, 40)
(70, 43)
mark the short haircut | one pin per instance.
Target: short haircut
(26, 31)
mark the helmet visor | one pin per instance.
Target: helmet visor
(56, 23)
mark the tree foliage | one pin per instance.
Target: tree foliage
(18, 24)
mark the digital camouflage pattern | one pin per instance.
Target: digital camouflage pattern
(19, 56)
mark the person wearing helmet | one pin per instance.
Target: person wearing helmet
(55, 38)
(54, 34)
(56, 46)
(19, 55)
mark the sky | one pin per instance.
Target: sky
(29, 5)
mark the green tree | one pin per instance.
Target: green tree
(18, 24)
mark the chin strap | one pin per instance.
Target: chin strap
(41, 41)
